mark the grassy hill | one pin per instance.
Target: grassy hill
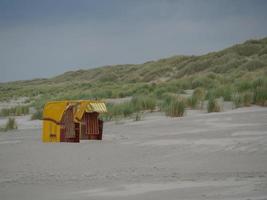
(238, 69)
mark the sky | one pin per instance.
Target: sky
(44, 38)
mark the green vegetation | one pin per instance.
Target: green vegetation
(213, 105)
(197, 98)
(200, 94)
(124, 109)
(15, 111)
(251, 93)
(238, 74)
(175, 108)
(237, 100)
(127, 109)
(260, 96)
(243, 99)
(138, 116)
(247, 98)
(10, 125)
(192, 101)
(144, 103)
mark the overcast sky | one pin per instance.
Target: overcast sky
(44, 38)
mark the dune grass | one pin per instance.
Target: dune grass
(192, 101)
(197, 98)
(260, 96)
(240, 69)
(213, 105)
(10, 125)
(15, 111)
(199, 94)
(138, 116)
(237, 100)
(143, 103)
(134, 107)
(175, 108)
(248, 98)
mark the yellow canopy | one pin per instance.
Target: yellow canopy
(89, 106)
(54, 110)
(99, 107)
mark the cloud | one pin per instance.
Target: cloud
(39, 42)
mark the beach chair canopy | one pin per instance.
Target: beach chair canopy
(89, 106)
(54, 110)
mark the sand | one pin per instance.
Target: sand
(201, 156)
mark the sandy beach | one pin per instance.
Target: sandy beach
(200, 156)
